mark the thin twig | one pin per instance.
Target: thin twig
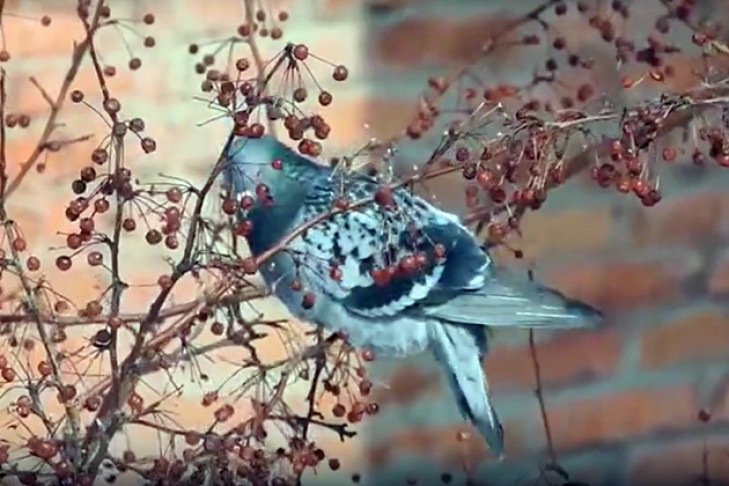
(540, 398)
(79, 52)
(258, 61)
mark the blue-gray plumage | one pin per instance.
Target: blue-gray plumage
(444, 304)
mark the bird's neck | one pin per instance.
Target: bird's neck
(272, 222)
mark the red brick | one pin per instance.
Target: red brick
(377, 5)
(441, 444)
(686, 219)
(618, 284)
(620, 415)
(387, 117)
(719, 279)
(417, 40)
(698, 335)
(575, 355)
(407, 384)
(569, 231)
(680, 462)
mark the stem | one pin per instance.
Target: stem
(540, 398)
(3, 155)
(79, 51)
(73, 421)
(258, 61)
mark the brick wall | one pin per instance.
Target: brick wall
(622, 399)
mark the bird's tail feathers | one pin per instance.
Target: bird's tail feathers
(458, 349)
(507, 301)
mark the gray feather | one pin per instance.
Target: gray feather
(505, 300)
(459, 349)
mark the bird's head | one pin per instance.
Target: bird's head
(258, 165)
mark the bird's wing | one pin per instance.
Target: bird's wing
(364, 241)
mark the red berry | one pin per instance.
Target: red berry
(485, 178)
(407, 264)
(365, 386)
(153, 237)
(335, 273)
(383, 196)
(299, 94)
(8, 374)
(92, 403)
(325, 98)
(101, 206)
(262, 192)
(704, 415)
(19, 244)
(148, 145)
(165, 282)
(340, 73)
(242, 64)
(224, 413)
(339, 410)
(33, 263)
(380, 276)
(44, 368)
(722, 160)
(439, 251)
(354, 417)
(246, 202)
(63, 263)
(308, 300)
(129, 224)
(217, 328)
(229, 206)
(87, 225)
(243, 227)
(301, 52)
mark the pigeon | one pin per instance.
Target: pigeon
(396, 275)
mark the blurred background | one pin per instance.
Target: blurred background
(622, 400)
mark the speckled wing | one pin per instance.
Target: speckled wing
(372, 237)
